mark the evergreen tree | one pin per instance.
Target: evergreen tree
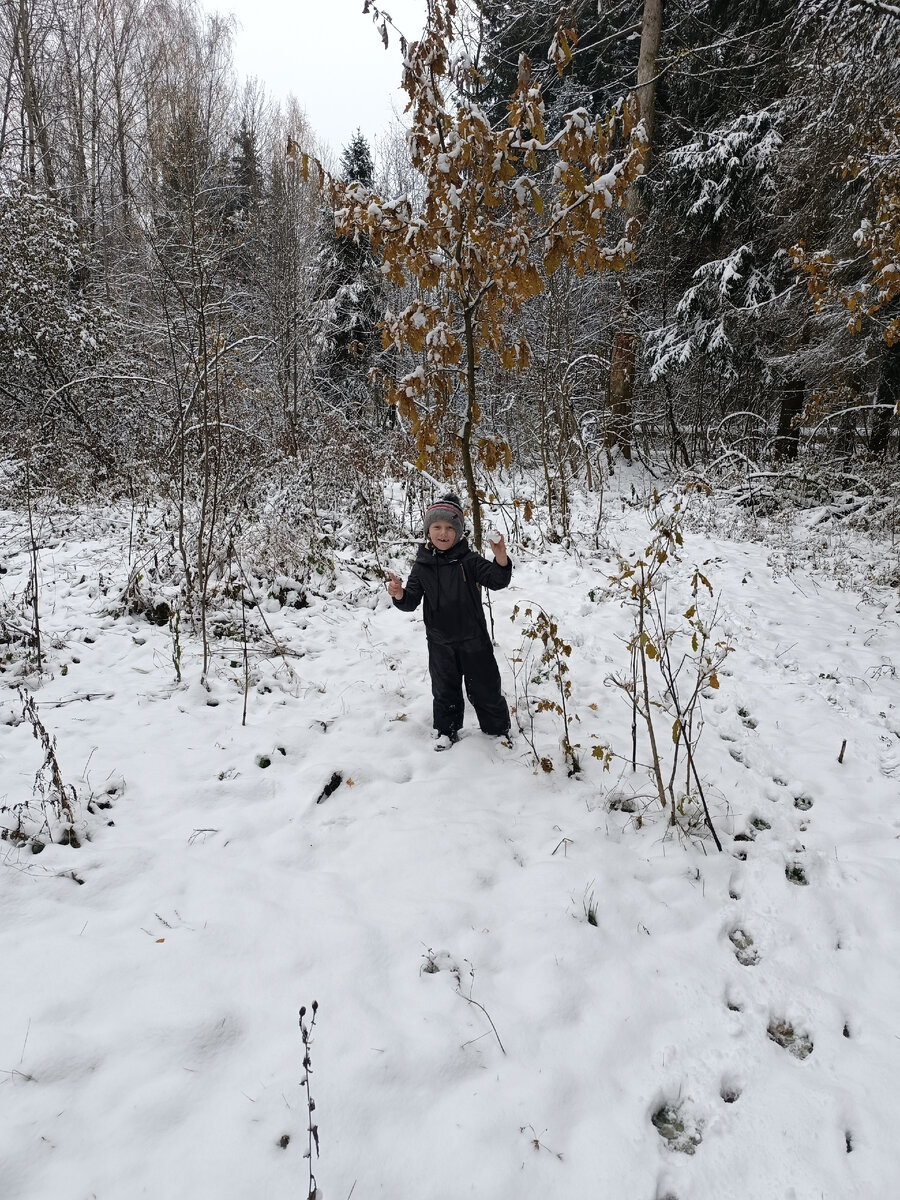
(353, 289)
(603, 62)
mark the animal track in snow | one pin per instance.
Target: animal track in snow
(676, 1126)
(743, 948)
(757, 825)
(804, 803)
(746, 719)
(889, 759)
(784, 1035)
(794, 873)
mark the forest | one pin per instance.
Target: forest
(187, 312)
(625, 279)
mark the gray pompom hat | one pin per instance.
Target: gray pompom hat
(449, 509)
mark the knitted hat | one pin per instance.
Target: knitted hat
(449, 509)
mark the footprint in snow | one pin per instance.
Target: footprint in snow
(744, 950)
(803, 803)
(783, 1034)
(757, 825)
(795, 874)
(889, 760)
(678, 1127)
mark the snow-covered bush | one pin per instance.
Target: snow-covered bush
(52, 330)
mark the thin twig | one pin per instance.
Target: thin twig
(469, 1000)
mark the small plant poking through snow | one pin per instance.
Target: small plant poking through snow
(52, 818)
(548, 666)
(536, 1143)
(312, 1131)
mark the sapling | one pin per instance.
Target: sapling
(245, 657)
(552, 665)
(33, 590)
(175, 630)
(642, 581)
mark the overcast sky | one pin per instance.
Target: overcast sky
(328, 55)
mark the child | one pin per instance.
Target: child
(445, 573)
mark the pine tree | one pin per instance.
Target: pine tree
(353, 290)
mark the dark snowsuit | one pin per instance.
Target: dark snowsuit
(459, 647)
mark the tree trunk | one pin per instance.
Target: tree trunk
(621, 390)
(38, 136)
(787, 439)
(651, 28)
(887, 392)
(625, 341)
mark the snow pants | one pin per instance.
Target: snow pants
(473, 661)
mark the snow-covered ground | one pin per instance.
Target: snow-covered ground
(477, 1034)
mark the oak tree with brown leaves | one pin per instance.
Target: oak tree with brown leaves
(504, 205)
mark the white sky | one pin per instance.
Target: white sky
(328, 55)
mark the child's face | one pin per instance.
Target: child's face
(442, 535)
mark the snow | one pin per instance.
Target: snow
(513, 978)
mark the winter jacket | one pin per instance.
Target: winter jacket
(446, 581)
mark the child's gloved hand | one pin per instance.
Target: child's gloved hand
(394, 587)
